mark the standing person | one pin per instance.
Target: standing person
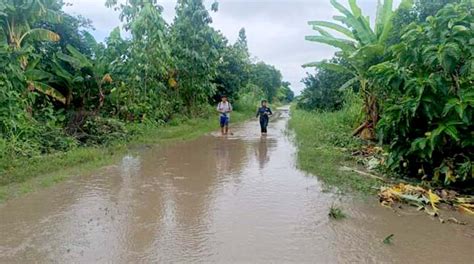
(224, 108)
(264, 112)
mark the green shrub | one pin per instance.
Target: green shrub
(428, 117)
(249, 99)
(100, 130)
(336, 213)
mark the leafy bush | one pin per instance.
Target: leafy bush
(428, 117)
(100, 130)
(26, 132)
(249, 98)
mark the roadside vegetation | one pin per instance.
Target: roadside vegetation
(413, 73)
(325, 146)
(67, 99)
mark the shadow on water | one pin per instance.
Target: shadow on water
(216, 199)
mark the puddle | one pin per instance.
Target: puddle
(217, 200)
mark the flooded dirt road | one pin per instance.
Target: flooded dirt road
(238, 199)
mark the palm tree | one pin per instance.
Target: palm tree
(362, 46)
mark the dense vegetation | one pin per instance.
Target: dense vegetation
(415, 74)
(322, 89)
(61, 89)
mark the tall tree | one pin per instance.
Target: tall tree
(268, 78)
(194, 49)
(417, 12)
(426, 8)
(241, 42)
(285, 94)
(322, 89)
(232, 69)
(148, 60)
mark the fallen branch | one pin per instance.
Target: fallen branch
(426, 199)
(344, 168)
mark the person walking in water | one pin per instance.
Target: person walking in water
(224, 108)
(264, 112)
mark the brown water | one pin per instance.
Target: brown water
(217, 200)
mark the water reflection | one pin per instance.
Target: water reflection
(261, 150)
(231, 156)
(223, 157)
(187, 179)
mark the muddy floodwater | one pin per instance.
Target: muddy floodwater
(235, 199)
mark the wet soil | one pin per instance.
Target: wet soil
(235, 199)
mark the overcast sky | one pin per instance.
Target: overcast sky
(275, 28)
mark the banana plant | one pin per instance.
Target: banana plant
(17, 23)
(18, 17)
(39, 80)
(72, 73)
(362, 46)
(76, 73)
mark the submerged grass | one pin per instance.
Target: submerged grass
(336, 213)
(26, 175)
(323, 139)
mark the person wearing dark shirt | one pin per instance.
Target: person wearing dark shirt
(264, 112)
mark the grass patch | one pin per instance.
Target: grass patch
(336, 213)
(323, 139)
(26, 175)
(389, 239)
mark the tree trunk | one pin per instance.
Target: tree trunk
(366, 131)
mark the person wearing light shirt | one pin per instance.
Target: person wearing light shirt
(224, 108)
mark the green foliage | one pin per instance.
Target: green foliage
(102, 131)
(428, 120)
(194, 47)
(323, 139)
(249, 98)
(323, 89)
(426, 8)
(18, 20)
(415, 71)
(284, 94)
(142, 67)
(241, 43)
(413, 11)
(336, 213)
(268, 78)
(403, 16)
(60, 89)
(233, 68)
(364, 47)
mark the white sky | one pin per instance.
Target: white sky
(275, 28)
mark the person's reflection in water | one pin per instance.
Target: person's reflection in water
(262, 152)
(223, 157)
